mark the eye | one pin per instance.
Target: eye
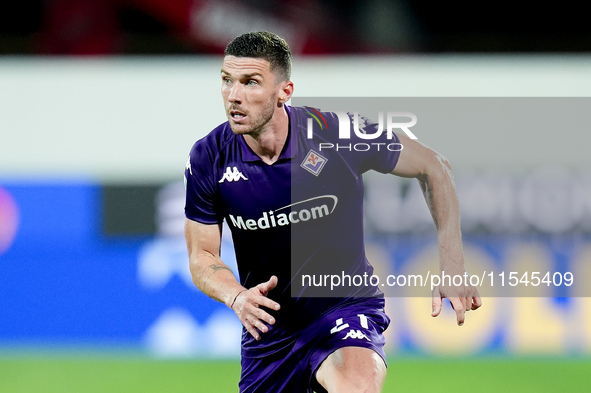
(252, 82)
(226, 80)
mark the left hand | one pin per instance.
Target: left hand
(462, 298)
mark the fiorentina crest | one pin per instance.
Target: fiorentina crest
(313, 162)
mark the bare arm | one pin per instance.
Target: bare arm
(214, 278)
(435, 177)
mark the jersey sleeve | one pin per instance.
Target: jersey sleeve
(201, 201)
(384, 150)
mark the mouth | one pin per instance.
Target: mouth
(237, 116)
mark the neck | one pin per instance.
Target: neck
(269, 143)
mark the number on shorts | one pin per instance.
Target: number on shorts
(340, 325)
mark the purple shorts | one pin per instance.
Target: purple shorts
(293, 369)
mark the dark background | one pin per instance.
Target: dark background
(162, 27)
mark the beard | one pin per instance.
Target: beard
(255, 123)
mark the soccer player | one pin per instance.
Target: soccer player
(292, 211)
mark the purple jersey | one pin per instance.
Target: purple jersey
(301, 215)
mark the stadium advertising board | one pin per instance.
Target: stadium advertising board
(71, 276)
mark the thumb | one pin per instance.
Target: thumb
(437, 303)
(267, 286)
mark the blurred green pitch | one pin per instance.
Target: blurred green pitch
(89, 374)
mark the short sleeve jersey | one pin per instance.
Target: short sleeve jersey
(302, 215)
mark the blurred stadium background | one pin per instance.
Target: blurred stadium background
(101, 100)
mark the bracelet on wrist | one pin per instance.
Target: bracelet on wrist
(236, 297)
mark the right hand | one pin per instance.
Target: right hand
(247, 307)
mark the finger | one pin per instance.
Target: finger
(267, 286)
(467, 302)
(254, 325)
(261, 326)
(476, 302)
(251, 302)
(251, 329)
(270, 304)
(261, 315)
(459, 308)
(436, 304)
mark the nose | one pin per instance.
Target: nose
(235, 94)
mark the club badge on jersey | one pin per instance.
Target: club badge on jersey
(314, 162)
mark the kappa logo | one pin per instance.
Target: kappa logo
(356, 334)
(314, 162)
(232, 174)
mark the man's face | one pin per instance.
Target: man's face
(250, 93)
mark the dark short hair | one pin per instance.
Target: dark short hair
(263, 45)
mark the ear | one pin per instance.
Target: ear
(285, 92)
